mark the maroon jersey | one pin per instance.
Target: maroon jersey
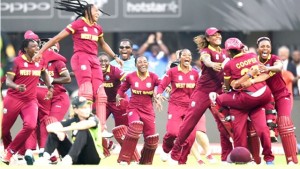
(211, 80)
(182, 84)
(55, 69)
(141, 90)
(28, 73)
(112, 81)
(85, 36)
(276, 82)
(239, 66)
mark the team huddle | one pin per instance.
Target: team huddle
(243, 90)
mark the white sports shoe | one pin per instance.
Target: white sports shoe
(106, 134)
(164, 156)
(123, 163)
(67, 160)
(42, 161)
(211, 159)
(29, 157)
(172, 162)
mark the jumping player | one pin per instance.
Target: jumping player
(87, 35)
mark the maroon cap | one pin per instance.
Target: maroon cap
(233, 43)
(31, 35)
(211, 31)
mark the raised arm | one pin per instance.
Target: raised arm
(109, 51)
(50, 43)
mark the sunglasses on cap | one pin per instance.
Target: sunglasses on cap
(126, 47)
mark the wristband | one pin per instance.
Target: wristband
(50, 87)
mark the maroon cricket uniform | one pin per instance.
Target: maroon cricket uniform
(283, 105)
(86, 65)
(84, 61)
(249, 102)
(210, 81)
(182, 85)
(57, 107)
(279, 90)
(251, 97)
(112, 82)
(140, 107)
(21, 103)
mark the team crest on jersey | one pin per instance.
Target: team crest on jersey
(148, 84)
(96, 30)
(25, 64)
(49, 64)
(224, 56)
(180, 77)
(217, 56)
(36, 64)
(85, 29)
(107, 77)
(136, 84)
(83, 67)
(192, 77)
(4, 110)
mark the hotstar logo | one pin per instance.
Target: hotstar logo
(153, 8)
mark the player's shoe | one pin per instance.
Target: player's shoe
(291, 163)
(211, 158)
(29, 157)
(123, 163)
(171, 161)
(164, 156)
(6, 157)
(106, 134)
(201, 162)
(270, 162)
(67, 160)
(42, 161)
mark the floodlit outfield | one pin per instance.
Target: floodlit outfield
(110, 163)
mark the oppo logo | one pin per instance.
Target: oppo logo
(24, 7)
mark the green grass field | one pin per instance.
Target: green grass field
(110, 163)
